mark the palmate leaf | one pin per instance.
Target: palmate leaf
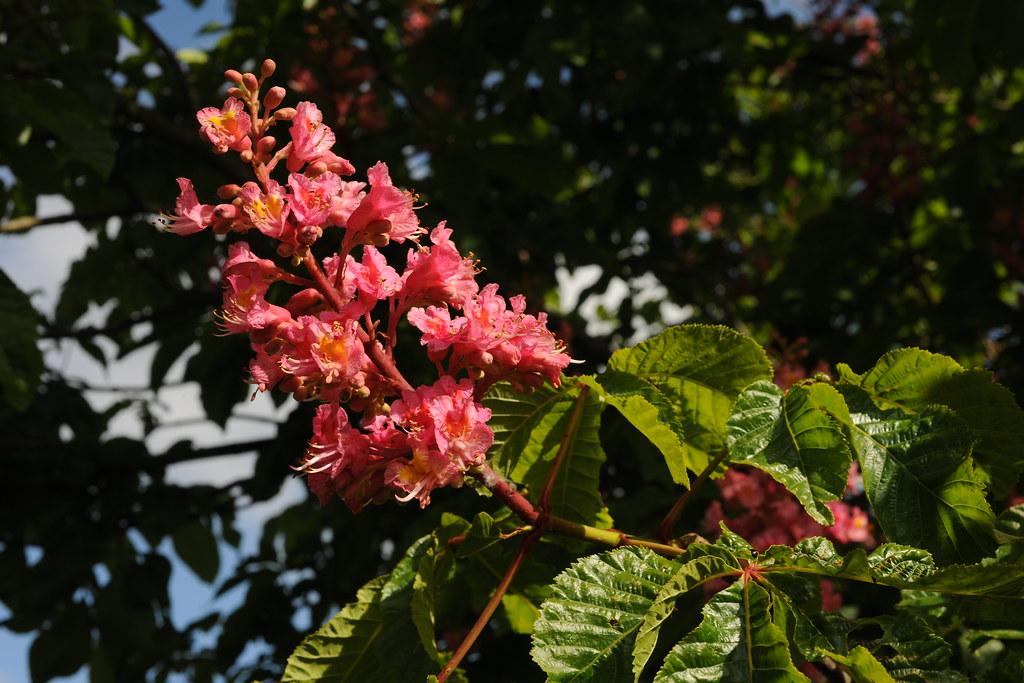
(698, 565)
(736, 641)
(699, 370)
(799, 445)
(919, 478)
(586, 628)
(359, 643)
(912, 379)
(1010, 525)
(528, 430)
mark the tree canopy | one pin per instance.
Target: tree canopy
(835, 181)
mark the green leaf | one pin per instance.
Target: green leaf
(1010, 525)
(912, 379)
(652, 414)
(736, 641)
(21, 363)
(197, 547)
(898, 566)
(528, 430)
(700, 370)
(699, 564)
(586, 628)
(863, 665)
(920, 480)
(788, 437)
(361, 642)
(911, 651)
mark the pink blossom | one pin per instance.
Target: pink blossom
(448, 434)
(326, 352)
(385, 214)
(268, 212)
(245, 309)
(438, 274)
(311, 197)
(831, 599)
(312, 142)
(374, 278)
(742, 488)
(498, 342)
(190, 216)
(226, 128)
(851, 525)
(346, 201)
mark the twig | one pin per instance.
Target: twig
(26, 223)
(492, 605)
(667, 524)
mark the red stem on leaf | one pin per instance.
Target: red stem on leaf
(492, 605)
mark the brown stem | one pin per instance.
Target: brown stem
(518, 503)
(26, 223)
(492, 605)
(506, 493)
(667, 524)
(544, 503)
(374, 350)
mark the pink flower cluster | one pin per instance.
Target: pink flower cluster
(761, 510)
(324, 342)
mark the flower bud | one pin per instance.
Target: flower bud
(285, 114)
(229, 191)
(266, 144)
(308, 234)
(246, 156)
(236, 92)
(233, 76)
(250, 82)
(274, 97)
(315, 169)
(267, 68)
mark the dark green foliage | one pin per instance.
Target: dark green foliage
(860, 207)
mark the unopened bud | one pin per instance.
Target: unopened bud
(266, 144)
(250, 82)
(274, 97)
(246, 156)
(229, 191)
(236, 92)
(362, 391)
(316, 168)
(285, 114)
(233, 76)
(308, 234)
(267, 68)
(225, 212)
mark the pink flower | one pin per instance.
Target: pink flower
(312, 141)
(385, 214)
(311, 198)
(448, 434)
(326, 352)
(190, 216)
(851, 525)
(437, 275)
(500, 343)
(226, 128)
(742, 488)
(267, 212)
(831, 599)
(245, 309)
(374, 278)
(346, 201)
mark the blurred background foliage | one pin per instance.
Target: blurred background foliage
(834, 179)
